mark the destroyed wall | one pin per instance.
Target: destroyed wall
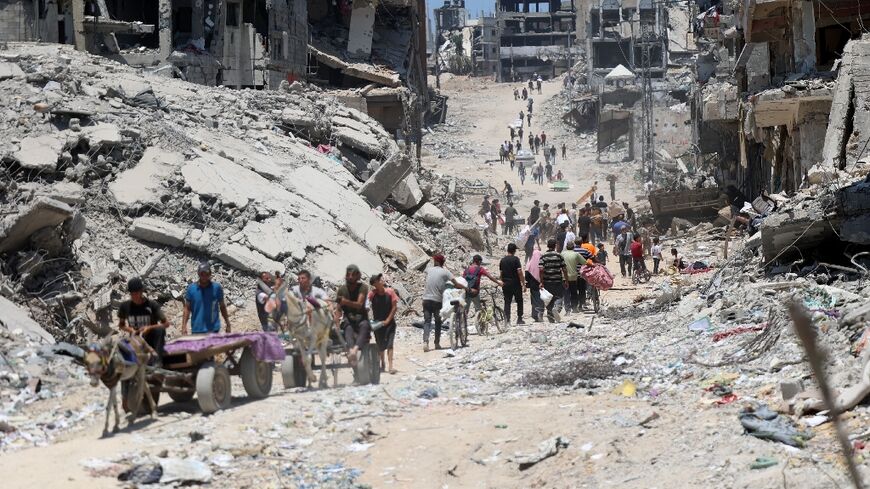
(17, 21)
(847, 136)
(105, 185)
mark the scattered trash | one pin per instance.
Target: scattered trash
(737, 331)
(184, 471)
(428, 393)
(760, 422)
(501, 426)
(546, 449)
(142, 474)
(626, 389)
(763, 463)
(701, 325)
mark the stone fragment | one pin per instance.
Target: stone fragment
(10, 70)
(470, 232)
(430, 214)
(157, 231)
(360, 141)
(243, 258)
(791, 388)
(16, 229)
(143, 184)
(40, 152)
(103, 135)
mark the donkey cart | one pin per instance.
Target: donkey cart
(368, 368)
(202, 366)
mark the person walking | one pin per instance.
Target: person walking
(543, 139)
(539, 84)
(262, 292)
(554, 278)
(564, 151)
(512, 158)
(516, 94)
(534, 284)
(202, 301)
(510, 215)
(612, 181)
(572, 260)
(587, 251)
(501, 154)
(494, 214)
(508, 191)
(513, 283)
(537, 143)
(522, 172)
(529, 246)
(553, 153)
(473, 276)
(549, 172)
(384, 302)
(623, 250)
(529, 117)
(540, 174)
(656, 253)
(437, 278)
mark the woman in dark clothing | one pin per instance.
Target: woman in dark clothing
(533, 283)
(384, 302)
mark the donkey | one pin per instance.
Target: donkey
(308, 327)
(105, 363)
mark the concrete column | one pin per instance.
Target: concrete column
(359, 39)
(804, 29)
(164, 28)
(198, 16)
(78, 14)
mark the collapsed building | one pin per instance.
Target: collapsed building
(375, 50)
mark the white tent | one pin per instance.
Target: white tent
(619, 73)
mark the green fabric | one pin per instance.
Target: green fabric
(572, 259)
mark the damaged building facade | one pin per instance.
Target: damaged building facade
(536, 36)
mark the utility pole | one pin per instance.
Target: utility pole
(648, 38)
(437, 48)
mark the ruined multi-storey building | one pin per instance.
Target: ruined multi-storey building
(535, 36)
(778, 91)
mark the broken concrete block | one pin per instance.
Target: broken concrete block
(10, 70)
(40, 153)
(785, 234)
(359, 38)
(379, 186)
(753, 241)
(15, 230)
(298, 117)
(791, 388)
(66, 192)
(269, 237)
(157, 231)
(103, 135)
(241, 257)
(17, 321)
(820, 174)
(407, 193)
(430, 214)
(470, 232)
(197, 240)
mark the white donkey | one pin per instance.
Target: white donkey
(308, 322)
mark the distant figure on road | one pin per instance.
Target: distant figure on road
(540, 174)
(539, 84)
(564, 151)
(549, 170)
(516, 94)
(543, 138)
(508, 191)
(525, 93)
(522, 173)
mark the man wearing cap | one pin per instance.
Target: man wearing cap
(203, 299)
(437, 278)
(143, 316)
(351, 301)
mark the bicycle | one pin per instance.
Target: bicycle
(490, 314)
(594, 296)
(640, 274)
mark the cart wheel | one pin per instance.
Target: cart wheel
(256, 375)
(293, 372)
(212, 387)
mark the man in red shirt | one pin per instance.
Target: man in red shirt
(473, 275)
(637, 254)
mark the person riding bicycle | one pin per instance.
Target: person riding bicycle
(637, 262)
(472, 276)
(589, 253)
(351, 312)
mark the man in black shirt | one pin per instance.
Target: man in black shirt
(560, 236)
(534, 214)
(554, 278)
(513, 283)
(143, 316)
(584, 222)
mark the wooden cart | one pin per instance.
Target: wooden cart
(205, 373)
(368, 369)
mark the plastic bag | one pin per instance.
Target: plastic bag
(523, 236)
(546, 296)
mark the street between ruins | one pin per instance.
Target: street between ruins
(623, 397)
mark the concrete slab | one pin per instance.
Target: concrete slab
(238, 256)
(40, 153)
(331, 264)
(365, 142)
(19, 322)
(16, 229)
(379, 186)
(158, 231)
(270, 237)
(856, 230)
(142, 184)
(103, 135)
